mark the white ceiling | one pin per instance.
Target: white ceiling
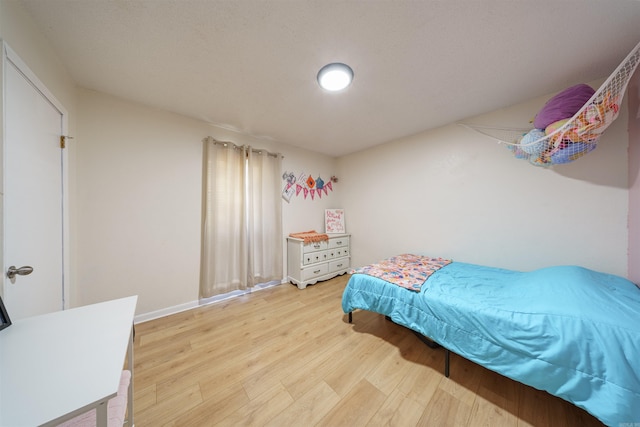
(251, 65)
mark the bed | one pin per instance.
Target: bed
(568, 330)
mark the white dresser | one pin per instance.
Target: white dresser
(308, 264)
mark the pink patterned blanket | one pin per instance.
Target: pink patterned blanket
(408, 271)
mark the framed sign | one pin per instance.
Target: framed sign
(334, 221)
(4, 316)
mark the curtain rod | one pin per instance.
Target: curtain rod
(255, 150)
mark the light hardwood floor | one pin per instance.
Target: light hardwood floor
(288, 357)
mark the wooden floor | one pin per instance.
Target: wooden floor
(284, 357)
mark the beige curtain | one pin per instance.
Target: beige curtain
(242, 218)
(264, 222)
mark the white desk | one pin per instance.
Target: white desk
(58, 365)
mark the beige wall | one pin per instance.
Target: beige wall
(139, 197)
(453, 193)
(135, 196)
(633, 103)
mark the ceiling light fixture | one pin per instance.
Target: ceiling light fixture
(334, 77)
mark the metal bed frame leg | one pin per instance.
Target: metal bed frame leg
(427, 341)
(447, 353)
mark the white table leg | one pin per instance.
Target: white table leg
(130, 394)
(101, 414)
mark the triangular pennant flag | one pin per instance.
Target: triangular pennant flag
(313, 193)
(326, 192)
(298, 188)
(328, 184)
(306, 192)
(319, 193)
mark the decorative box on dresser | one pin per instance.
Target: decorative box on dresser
(310, 263)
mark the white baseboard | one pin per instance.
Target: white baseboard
(145, 317)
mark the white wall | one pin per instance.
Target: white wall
(300, 214)
(139, 200)
(453, 193)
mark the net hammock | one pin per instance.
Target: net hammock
(567, 140)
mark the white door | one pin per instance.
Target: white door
(33, 194)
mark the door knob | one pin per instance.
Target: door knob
(22, 271)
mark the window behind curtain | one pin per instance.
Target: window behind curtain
(242, 218)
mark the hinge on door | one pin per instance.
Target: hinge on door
(63, 140)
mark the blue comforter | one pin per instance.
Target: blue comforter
(568, 330)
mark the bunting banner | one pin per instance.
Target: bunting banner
(306, 185)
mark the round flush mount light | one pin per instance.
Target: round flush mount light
(334, 77)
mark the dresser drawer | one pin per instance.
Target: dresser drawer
(314, 271)
(338, 242)
(316, 246)
(339, 264)
(340, 252)
(313, 257)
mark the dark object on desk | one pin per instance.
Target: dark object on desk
(4, 316)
